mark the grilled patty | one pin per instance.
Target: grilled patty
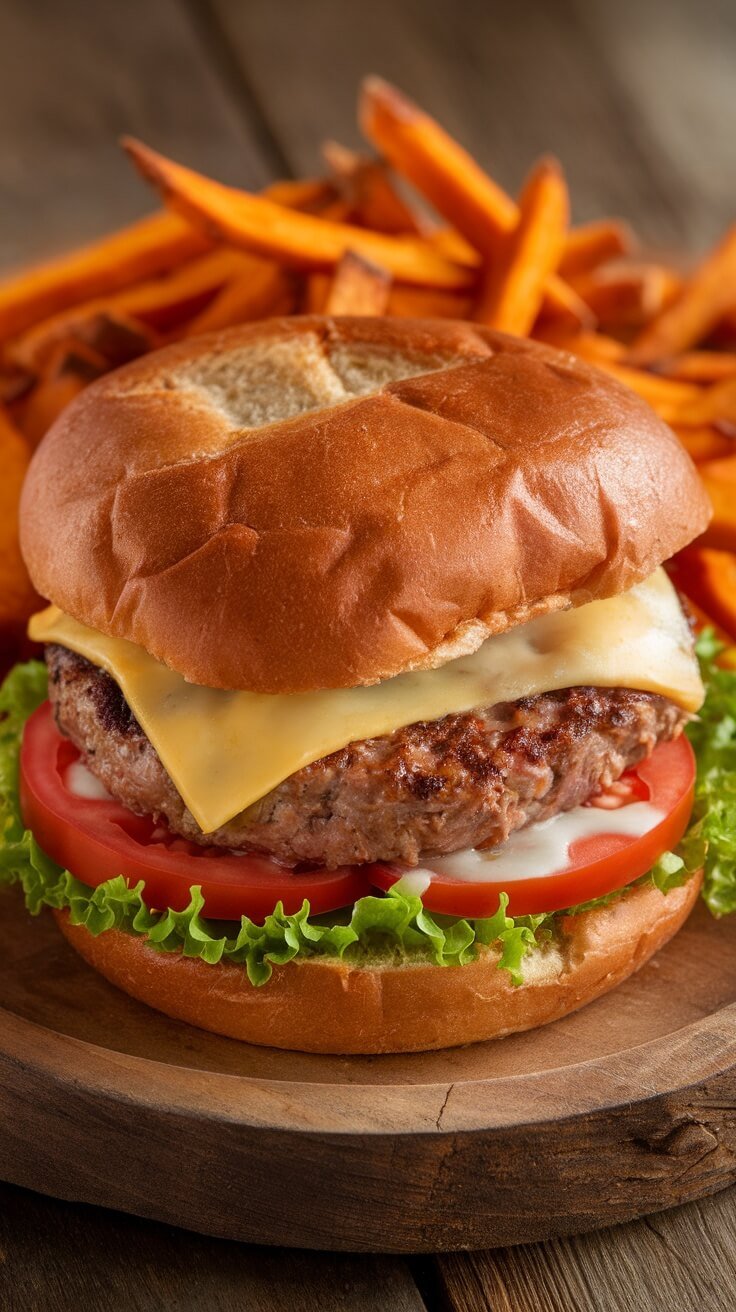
(463, 781)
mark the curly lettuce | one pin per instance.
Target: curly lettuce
(391, 927)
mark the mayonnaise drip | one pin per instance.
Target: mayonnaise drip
(544, 849)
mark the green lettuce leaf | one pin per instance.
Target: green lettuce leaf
(711, 839)
(392, 927)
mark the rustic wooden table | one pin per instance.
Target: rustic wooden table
(638, 100)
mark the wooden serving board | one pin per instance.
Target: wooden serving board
(627, 1107)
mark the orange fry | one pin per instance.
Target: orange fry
(704, 442)
(71, 368)
(17, 597)
(700, 366)
(624, 296)
(707, 295)
(259, 293)
(594, 347)
(311, 194)
(374, 201)
(719, 477)
(358, 287)
(416, 303)
(664, 395)
(712, 405)
(444, 172)
(710, 577)
(302, 241)
(512, 296)
(149, 247)
(592, 244)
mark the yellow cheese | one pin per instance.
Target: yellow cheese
(225, 750)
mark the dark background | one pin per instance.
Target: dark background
(638, 99)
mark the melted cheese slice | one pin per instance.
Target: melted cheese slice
(225, 750)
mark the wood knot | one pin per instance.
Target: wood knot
(687, 1139)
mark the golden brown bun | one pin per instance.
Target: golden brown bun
(316, 503)
(320, 1006)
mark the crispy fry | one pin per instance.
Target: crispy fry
(358, 287)
(704, 442)
(70, 369)
(707, 295)
(310, 194)
(316, 290)
(712, 405)
(625, 296)
(17, 597)
(708, 577)
(160, 303)
(264, 291)
(149, 247)
(589, 346)
(592, 244)
(415, 303)
(448, 176)
(514, 289)
(700, 366)
(374, 201)
(719, 477)
(663, 394)
(300, 241)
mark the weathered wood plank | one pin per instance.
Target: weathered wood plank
(676, 65)
(681, 1259)
(514, 80)
(60, 1257)
(73, 77)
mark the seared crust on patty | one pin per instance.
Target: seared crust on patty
(467, 780)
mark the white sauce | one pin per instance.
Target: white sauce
(82, 783)
(544, 849)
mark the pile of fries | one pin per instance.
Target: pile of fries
(417, 229)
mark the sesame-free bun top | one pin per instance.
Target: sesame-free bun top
(314, 503)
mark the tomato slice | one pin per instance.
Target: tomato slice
(98, 839)
(597, 864)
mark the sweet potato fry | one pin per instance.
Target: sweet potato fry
(160, 303)
(708, 577)
(665, 396)
(358, 287)
(17, 597)
(147, 248)
(593, 244)
(316, 291)
(374, 201)
(623, 296)
(71, 367)
(298, 240)
(706, 296)
(594, 347)
(444, 172)
(713, 405)
(415, 303)
(309, 194)
(512, 295)
(705, 442)
(700, 366)
(719, 477)
(263, 291)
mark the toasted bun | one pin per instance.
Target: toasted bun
(317, 503)
(321, 1006)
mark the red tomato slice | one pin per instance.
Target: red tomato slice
(97, 840)
(598, 864)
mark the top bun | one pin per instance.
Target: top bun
(318, 503)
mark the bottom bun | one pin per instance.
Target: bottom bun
(330, 1006)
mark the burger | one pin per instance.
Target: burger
(360, 727)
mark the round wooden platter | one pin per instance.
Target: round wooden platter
(624, 1108)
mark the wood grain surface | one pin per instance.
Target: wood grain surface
(639, 101)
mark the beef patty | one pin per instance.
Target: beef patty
(466, 780)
